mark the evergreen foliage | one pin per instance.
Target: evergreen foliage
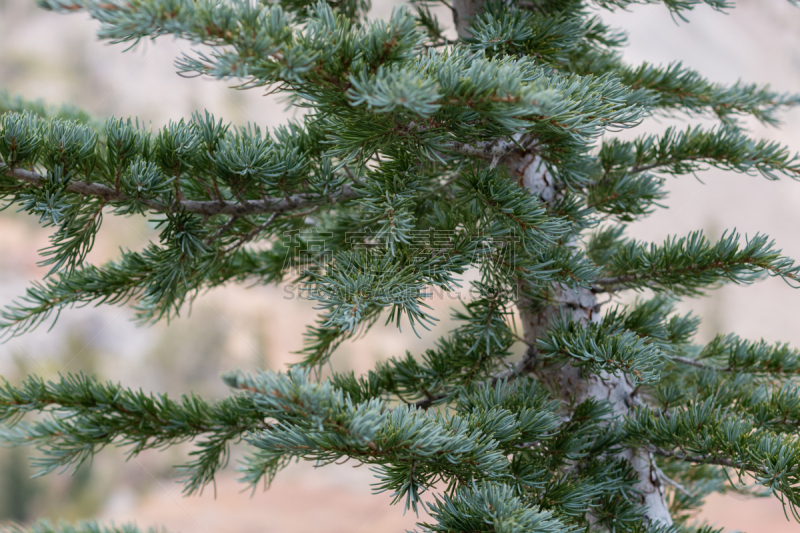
(420, 158)
(81, 527)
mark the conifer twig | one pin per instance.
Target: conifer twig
(210, 207)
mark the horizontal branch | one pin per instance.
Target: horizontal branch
(711, 432)
(638, 169)
(689, 264)
(616, 283)
(492, 151)
(45, 526)
(695, 363)
(208, 207)
(84, 415)
(706, 459)
(522, 366)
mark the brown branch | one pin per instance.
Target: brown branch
(208, 208)
(485, 150)
(621, 282)
(492, 151)
(636, 169)
(246, 238)
(743, 369)
(649, 279)
(698, 364)
(425, 403)
(523, 365)
(222, 229)
(706, 459)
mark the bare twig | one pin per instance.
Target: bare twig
(706, 459)
(222, 229)
(523, 365)
(698, 364)
(669, 480)
(618, 283)
(252, 233)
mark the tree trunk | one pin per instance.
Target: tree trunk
(567, 382)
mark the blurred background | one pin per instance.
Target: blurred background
(57, 58)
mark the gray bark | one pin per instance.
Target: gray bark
(567, 382)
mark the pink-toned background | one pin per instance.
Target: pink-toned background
(57, 58)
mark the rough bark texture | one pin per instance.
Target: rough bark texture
(463, 11)
(568, 382)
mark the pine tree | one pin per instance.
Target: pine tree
(420, 158)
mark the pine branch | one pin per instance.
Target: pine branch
(159, 279)
(624, 184)
(358, 282)
(420, 159)
(208, 208)
(694, 458)
(606, 347)
(319, 422)
(495, 197)
(672, 89)
(14, 103)
(705, 433)
(45, 526)
(684, 152)
(469, 356)
(730, 354)
(626, 195)
(688, 265)
(748, 356)
(413, 449)
(676, 6)
(84, 416)
(770, 407)
(682, 89)
(504, 29)
(370, 85)
(489, 508)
